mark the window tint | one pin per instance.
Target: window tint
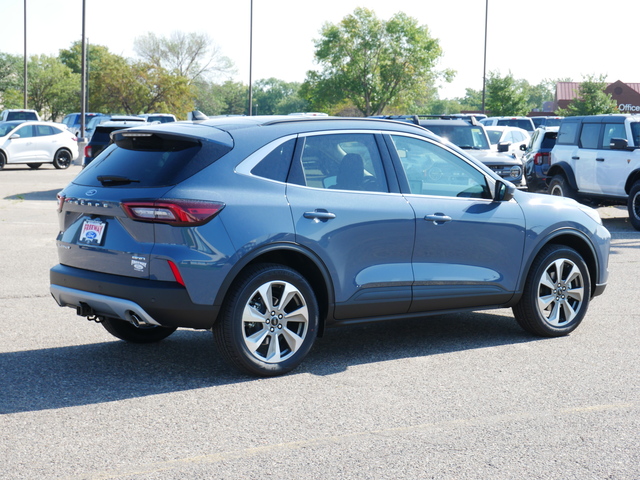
(568, 134)
(26, 131)
(44, 130)
(612, 130)
(275, 166)
(462, 136)
(494, 136)
(549, 140)
(343, 162)
(433, 170)
(635, 133)
(152, 161)
(589, 135)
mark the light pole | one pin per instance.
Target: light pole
(25, 54)
(484, 71)
(83, 81)
(250, 59)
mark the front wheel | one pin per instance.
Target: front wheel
(62, 159)
(269, 321)
(559, 186)
(633, 205)
(556, 293)
(3, 160)
(130, 333)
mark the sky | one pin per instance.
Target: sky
(532, 40)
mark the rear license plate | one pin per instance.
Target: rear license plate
(92, 232)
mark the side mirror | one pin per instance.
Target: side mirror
(14, 136)
(618, 144)
(523, 147)
(503, 146)
(504, 191)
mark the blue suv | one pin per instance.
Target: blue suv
(267, 230)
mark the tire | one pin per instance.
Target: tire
(559, 186)
(269, 321)
(633, 205)
(34, 166)
(62, 159)
(125, 331)
(556, 293)
(3, 160)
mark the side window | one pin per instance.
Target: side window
(433, 170)
(44, 130)
(568, 133)
(343, 162)
(26, 131)
(589, 135)
(612, 130)
(275, 165)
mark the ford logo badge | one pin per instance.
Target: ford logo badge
(91, 193)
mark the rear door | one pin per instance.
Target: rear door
(343, 211)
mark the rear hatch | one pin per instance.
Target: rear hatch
(108, 214)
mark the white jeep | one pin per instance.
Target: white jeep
(597, 158)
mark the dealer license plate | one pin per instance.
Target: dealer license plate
(92, 232)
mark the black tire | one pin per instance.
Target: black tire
(34, 166)
(559, 186)
(130, 333)
(633, 205)
(62, 159)
(556, 293)
(267, 336)
(3, 160)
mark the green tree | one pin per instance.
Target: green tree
(11, 72)
(52, 86)
(373, 63)
(229, 98)
(277, 97)
(189, 55)
(472, 100)
(591, 99)
(506, 96)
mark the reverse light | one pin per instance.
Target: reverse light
(179, 213)
(541, 158)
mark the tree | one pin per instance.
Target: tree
(591, 99)
(229, 98)
(52, 86)
(277, 97)
(373, 63)
(506, 96)
(189, 55)
(11, 73)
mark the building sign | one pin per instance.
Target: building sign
(628, 108)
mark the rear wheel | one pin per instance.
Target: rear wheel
(633, 205)
(34, 166)
(556, 294)
(3, 160)
(62, 159)
(269, 321)
(559, 186)
(130, 333)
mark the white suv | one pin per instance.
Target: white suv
(597, 158)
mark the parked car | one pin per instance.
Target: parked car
(73, 121)
(508, 139)
(524, 123)
(471, 136)
(267, 230)
(597, 158)
(101, 138)
(34, 143)
(537, 158)
(546, 121)
(91, 125)
(19, 114)
(158, 117)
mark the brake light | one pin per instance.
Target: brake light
(87, 151)
(179, 213)
(541, 158)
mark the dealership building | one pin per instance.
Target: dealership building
(626, 95)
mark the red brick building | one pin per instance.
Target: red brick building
(626, 95)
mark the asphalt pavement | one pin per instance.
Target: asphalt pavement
(463, 396)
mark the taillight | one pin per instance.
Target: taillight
(541, 158)
(180, 213)
(87, 151)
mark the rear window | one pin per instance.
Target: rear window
(549, 140)
(514, 122)
(21, 116)
(155, 160)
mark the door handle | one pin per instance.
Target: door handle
(321, 215)
(575, 158)
(600, 159)
(438, 218)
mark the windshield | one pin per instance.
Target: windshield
(469, 137)
(494, 136)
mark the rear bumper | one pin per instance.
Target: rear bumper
(156, 303)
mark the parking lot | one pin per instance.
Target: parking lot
(462, 396)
